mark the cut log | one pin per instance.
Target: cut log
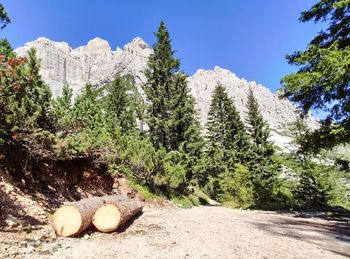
(115, 213)
(74, 217)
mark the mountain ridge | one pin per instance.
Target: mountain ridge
(97, 63)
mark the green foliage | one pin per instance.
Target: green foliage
(173, 160)
(123, 103)
(316, 186)
(161, 74)
(227, 143)
(173, 176)
(300, 133)
(171, 114)
(236, 186)
(233, 187)
(6, 50)
(339, 153)
(4, 17)
(143, 190)
(86, 112)
(62, 107)
(33, 110)
(265, 168)
(322, 81)
(182, 201)
(225, 128)
(268, 186)
(25, 98)
(213, 164)
(258, 129)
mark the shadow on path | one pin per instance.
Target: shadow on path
(332, 234)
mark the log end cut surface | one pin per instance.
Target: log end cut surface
(107, 218)
(67, 221)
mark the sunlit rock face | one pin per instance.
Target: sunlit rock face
(96, 63)
(277, 111)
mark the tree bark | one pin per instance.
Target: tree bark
(115, 212)
(74, 217)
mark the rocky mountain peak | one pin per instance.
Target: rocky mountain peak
(97, 64)
(279, 113)
(137, 43)
(98, 43)
(97, 46)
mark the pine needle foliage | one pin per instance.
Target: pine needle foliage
(322, 81)
(171, 114)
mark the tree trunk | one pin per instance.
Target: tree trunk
(115, 213)
(74, 217)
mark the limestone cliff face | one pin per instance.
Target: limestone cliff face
(97, 63)
(94, 63)
(279, 112)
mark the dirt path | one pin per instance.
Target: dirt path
(210, 232)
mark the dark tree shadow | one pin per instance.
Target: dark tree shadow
(124, 228)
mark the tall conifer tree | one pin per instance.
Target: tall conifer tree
(162, 67)
(122, 103)
(258, 128)
(171, 114)
(228, 141)
(61, 108)
(264, 167)
(6, 50)
(225, 128)
(35, 106)
(172, 119)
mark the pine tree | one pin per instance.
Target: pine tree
(25, 101)
(162, 67)
(172, 120)
(87, 112)
(122, 102)
(228, 141)
(301, 134)
(35, 107)
(225, 128)
(322, 81)
(4, 17)
(265, 169)
(258, 128)
(171, 114)
(184, 126)
(6, 50)
(62, 106)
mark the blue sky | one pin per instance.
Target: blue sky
(250, 37)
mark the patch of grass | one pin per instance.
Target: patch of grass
(144, 191)
(231, 204)
(182, 202)
(199, 197)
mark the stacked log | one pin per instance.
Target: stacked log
(107, 213)
(115, 213)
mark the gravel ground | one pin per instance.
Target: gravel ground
(207, 232)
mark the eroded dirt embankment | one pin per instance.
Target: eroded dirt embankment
(31, 189)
